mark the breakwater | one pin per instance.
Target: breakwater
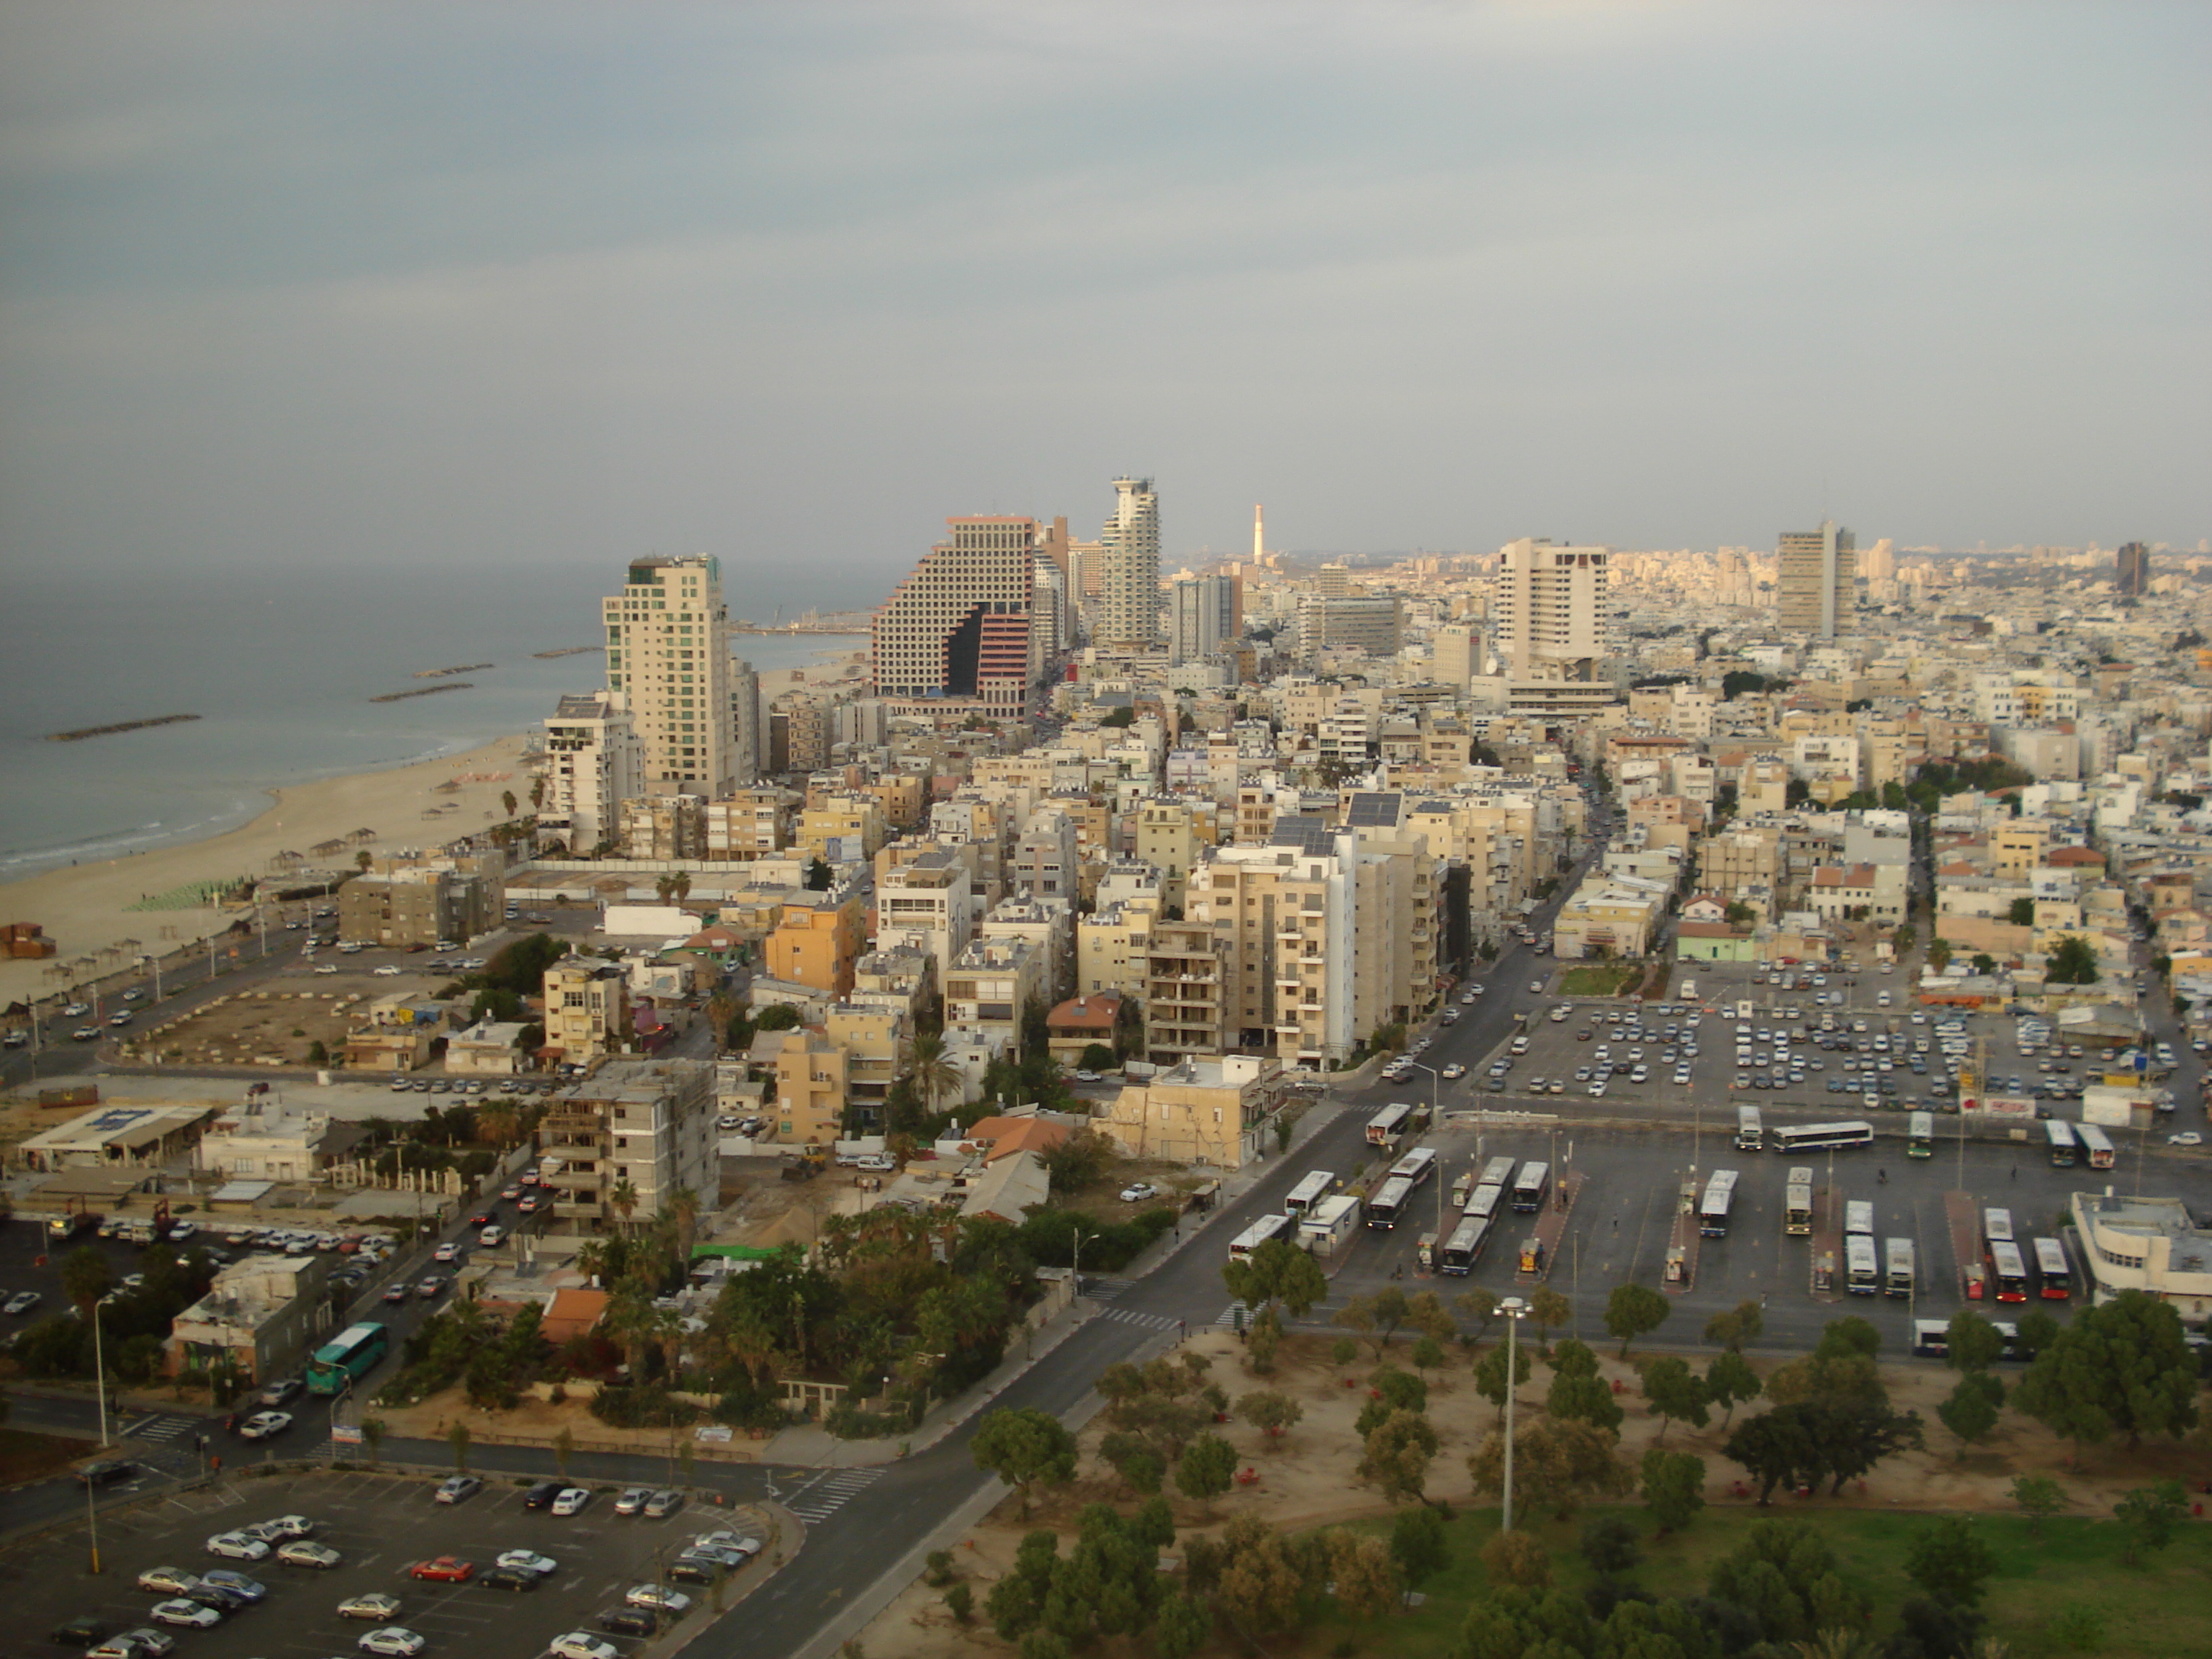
(84, 732)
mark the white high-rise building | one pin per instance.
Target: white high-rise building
(1129, 559)
(669, 668)
(1551, 611)
(1815, 582)
(1202, 616)
(592, 766)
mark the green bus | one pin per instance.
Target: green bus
(1920, 1135)
(347, 1357)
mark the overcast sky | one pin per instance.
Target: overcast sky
(790, 283)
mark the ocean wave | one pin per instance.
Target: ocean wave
(116, 843)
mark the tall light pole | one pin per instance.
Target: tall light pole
(1515, 1310)
(99, 1367)
(1436, 1079)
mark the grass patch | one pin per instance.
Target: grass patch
(28, 1456)
(1600, 979)
(2149, 1611)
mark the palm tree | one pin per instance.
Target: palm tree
(624, 1198)
(507, 799)
(684, 1210)
(932, 1067)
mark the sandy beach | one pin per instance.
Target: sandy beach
(85, 909)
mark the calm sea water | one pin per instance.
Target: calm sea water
(281, 665)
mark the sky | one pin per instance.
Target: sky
(406, 284)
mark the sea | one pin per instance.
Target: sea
(280, 666)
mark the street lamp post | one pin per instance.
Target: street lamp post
(1436, 1106)
(1515, 1310)
(100, 1367)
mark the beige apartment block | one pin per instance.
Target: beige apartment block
(1209, 1113)
(874, 1040)
(647, 1122)
(586, 1008)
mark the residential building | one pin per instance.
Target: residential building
(2131, 571)
(1373, 623)
(262, 1316)
(593, 764)
(811, 1071)
(1816, 588)
(873, 1036)
(668, 661)
(1211, 1113)
(991, 982)
(2149, 1244)
(586, 1009)
(258, 1141)
(1551, 607)
(1204, 614)
(957, 631)
(411, 900)
(646, 1122)
(929, 903)
(1129, 570)
(818, 940)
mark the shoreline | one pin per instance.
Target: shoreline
(85, 906)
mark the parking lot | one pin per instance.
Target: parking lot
(380, 1525)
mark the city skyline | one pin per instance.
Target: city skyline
(557, 288)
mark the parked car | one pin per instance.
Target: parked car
(283, 1527)
(263, 1426)
(664, 1501)
(507, 1578)
(393, 1639)
(304, 1552)
(142, 1642)
(629, 1621)
(236, 1583)
(632, 1500)
(541, 1495)
(444, 1570)
(576, 1644)
(375, 1604)
(238, 1546)
(1138, 1191)
(572, 1501)
(185, 1614)
(528, 1561)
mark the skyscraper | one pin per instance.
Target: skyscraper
(1816, 572)
(1202, 616)
(669, 668)
(959, 629)
(1552, 611)
(2131, 572)
(1129, 559)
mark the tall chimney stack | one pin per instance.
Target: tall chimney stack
(1259, 534)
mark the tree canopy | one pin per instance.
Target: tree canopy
(2120, 1368)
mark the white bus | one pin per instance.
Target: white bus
(1720, 1195)
(1267, 1227)
(1920, 1134)
(1388, 1207)
(1858, 1218)
(1822, 1137)
(1384, 1128)
(1528, 1191)
(1417, 1166)
(2060, 1135)
(2009, 1270)
(1862, 1274)
(2052, 1269)
(1897, 1280)
(2096, 1146)
(1464, 1248)
(1997, 1227)
(1312, 1188)
(1797, 1202)
(1497, 1172)
(1750, 1134)
(1485, 1202)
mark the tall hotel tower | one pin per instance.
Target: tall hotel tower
(959, 629)
(1815, 580)
(1129, 554)
(669, 669)
(1551, 609)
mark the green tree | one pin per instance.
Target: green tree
(458, 1438)
(1518, 1559)
(1674, 1391)
(1428, 1354)
(2073, 961)
(1183, 1626)
(2039, 1498)
(1970, 1409)
(1939, 954)
(1583, 1396)
(1364, 1575)
(1270, 1411)
(2151, 1515)
(1555, 1465)
(1547, 1311)
(1951, 1560)
(86, 1275)
(564, 1448)
(1972, 1342)
(1737, 1328)
(1396, 1454)
(1278, 1272)
(1418, 1544)
(1634, 1311)
(1730, 1382)
(2020, 913)
(1207, 1469)
(1378, 1315)
(1490, 1381)
(2121, 1368)
(1025, 1448)
(1479, 1307)
(1674, 1488)
(1608, 1544)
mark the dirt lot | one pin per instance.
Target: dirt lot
(1309, 1480)
(259, 1028)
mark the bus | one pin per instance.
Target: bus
(2060, 1135)
(347, 1357)
(1713, 1212)
(1312, 1188)
(1390, 1202)
(1497, 1172)
(1896, 1276)
(1485, 1202)
(1858, 1217)
(1797, 1202)
(1464, 1247)
(1997, 1227)
(1528, 1191)
(1750, 1134)
(1267, 1227)
(1417, 1166)
(2009, 1272)
(2052, 1269)
(1920, 1134)
(1384, 1128)
(1824, 1136)
(2096, 1146)
(1862, 1276)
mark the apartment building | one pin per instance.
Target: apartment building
(647, 1122)
(586, 1008)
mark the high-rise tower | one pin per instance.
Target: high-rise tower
(959, 628)
(669, 668)
(2131, 571)
(1552, 611)
(1129, 556)
(1815, 576)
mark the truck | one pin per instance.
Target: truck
(807, 1163)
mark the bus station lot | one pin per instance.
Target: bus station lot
(380, 1524)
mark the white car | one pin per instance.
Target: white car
(632, 1500)
(262, 1425)
(2186, 1138)
(301, 1553)
(394, 1639)
(326, 967)
(1138, 1192)
(190, 1614)
(1454, 1071)
(571, 1501)
(168, 1581)
(238, 1546)
(576, 1644)
(142, 1643)
(528, 1561)
(387, 972)
(283, 1527)
(373, 1605)
(674, 1603)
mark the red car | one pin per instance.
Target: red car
(447, 1569)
